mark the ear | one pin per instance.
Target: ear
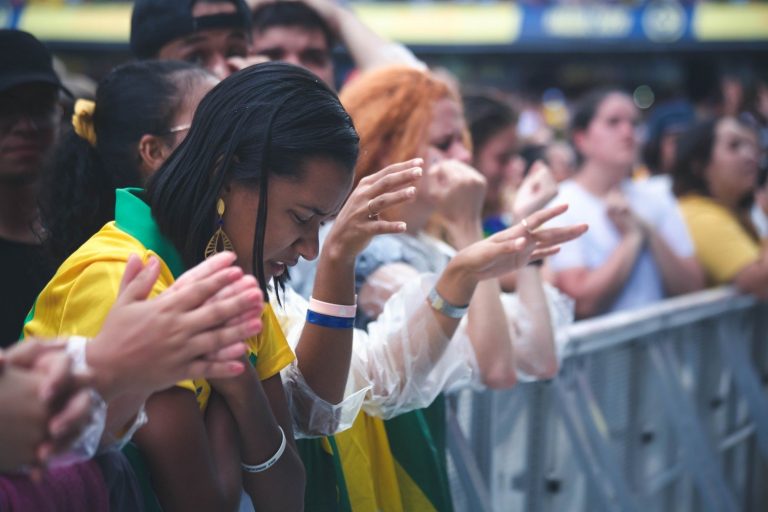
(153, 151)
(578, 140)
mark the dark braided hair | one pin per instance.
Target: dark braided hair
(266, 120)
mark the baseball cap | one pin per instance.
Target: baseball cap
(23, 60)
(154, 23)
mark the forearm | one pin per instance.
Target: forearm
(535, 349)
(324, 353)
(679, 276)
(754, 277)
(599, 287)
(223, 437)
(368, 49)
(259, 439)
(490, 335)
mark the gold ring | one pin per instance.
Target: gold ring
(524, 223)
(371, 214)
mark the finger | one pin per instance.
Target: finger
(394, 181)
(245, 283)
(206, 268)
(557, 236)
(389, 199)
(383, 227)
(390, 169)
(215, 369)
(65, 426)
(540, 217)
(212, 340)
(133, 267)
(26, 353)
(194, 294)
(540, 254)
(58, 378)
(233, 352)
(141, 284)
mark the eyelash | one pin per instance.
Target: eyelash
(298, 220)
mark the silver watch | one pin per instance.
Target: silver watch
(444, 307)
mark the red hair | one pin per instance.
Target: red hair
(392, 109)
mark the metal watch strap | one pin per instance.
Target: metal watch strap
(444, 307)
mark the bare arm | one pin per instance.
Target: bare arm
(679, 275)
(754, 277)
(258, 408)
(324, 353)
(176, 446)
(536, 353)
(594, 289)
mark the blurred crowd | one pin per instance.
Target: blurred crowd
(241, 285)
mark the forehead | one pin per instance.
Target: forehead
(729, 127)
(323, 186)
(293, 37)
(447, 116)
(213, 38)
(616, 104)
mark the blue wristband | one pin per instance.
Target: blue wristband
(336, 322)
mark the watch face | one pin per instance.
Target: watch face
(438, 303)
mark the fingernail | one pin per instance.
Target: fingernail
(417, 172)
(410, 192)
(235, 368)
(401, 226)
(417, 161)
(254, 325)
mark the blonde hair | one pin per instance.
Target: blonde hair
(392, 110)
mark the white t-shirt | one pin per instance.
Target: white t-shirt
(649, 202)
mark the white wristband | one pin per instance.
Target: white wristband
(338, 310)
(258, 468)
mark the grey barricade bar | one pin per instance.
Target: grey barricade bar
(662, 408)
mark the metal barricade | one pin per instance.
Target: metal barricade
(658, 409)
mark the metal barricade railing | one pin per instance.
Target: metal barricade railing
(662, 408)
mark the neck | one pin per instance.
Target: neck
(599, 179)
(18, 212)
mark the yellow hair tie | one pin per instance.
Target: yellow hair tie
(82, 120)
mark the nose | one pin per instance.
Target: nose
(292, 58)
(308, 245)
(459, 151)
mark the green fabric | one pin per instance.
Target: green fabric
(417, 441)
(133, 216)
(325, 490)
(132, 453)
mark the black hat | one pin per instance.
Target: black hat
(23, 60)
(154, 23)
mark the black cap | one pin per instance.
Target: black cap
(23, 60)
(154, 23)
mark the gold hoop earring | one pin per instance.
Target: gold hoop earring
(219, 241)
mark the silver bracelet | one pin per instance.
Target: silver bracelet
(441, 305)
(258, 468)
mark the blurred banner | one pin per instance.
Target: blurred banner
(510, 25)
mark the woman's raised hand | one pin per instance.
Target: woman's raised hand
(516, 246)
(535, 192)
(457, 190)
(359, 220)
